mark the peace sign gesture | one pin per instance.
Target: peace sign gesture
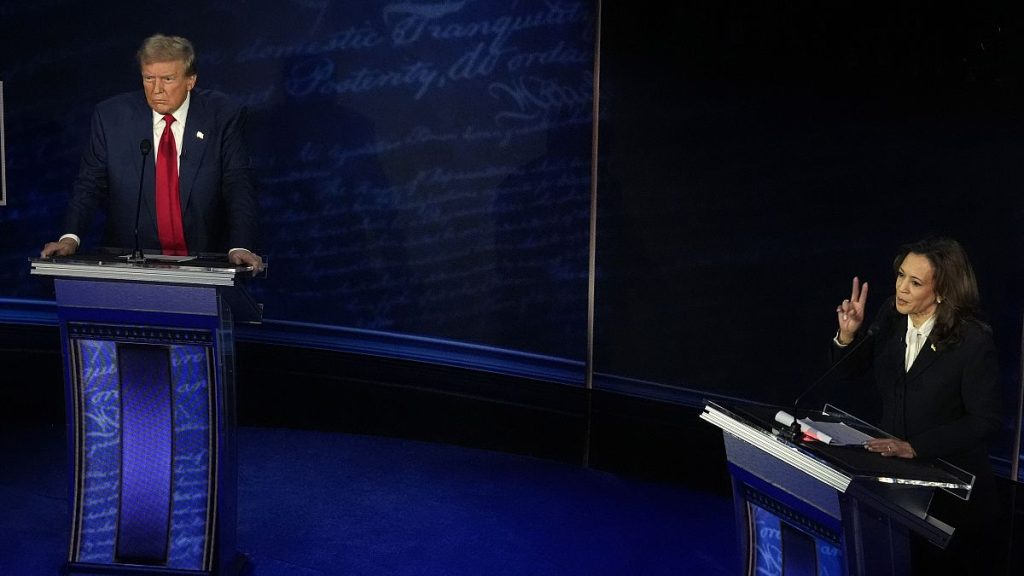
(850, 313)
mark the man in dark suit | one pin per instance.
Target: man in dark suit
(197, 191)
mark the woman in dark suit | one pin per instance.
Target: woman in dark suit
(934, 363)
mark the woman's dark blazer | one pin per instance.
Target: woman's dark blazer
(948, 404)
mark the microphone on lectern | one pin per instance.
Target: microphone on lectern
(145, 146)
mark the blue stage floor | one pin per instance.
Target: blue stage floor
(315, 503)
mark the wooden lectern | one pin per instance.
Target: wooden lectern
(805, 507)
(148, 355)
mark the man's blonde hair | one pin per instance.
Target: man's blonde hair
(160, 48)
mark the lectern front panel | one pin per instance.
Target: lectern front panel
(148, 355)
(144, 448)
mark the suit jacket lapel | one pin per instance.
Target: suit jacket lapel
(924, 359)
(193, 147)
(894, 349)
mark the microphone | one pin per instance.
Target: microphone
(880, 324)
(137, 257)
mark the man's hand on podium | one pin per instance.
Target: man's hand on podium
(63, 247)
(243, 257)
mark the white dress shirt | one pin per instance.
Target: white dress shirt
(177, 128)
(916, 337)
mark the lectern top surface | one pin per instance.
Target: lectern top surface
(213, 270)
(853, 460)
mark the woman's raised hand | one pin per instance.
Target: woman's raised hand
(850, 313)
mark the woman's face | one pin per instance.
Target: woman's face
(915, 288)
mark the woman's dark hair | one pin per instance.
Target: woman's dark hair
(954, 284)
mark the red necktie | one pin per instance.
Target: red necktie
(168, 202)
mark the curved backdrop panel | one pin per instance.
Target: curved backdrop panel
(424, 167)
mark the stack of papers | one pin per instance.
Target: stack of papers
(832, 433)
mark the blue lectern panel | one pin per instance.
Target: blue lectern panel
(193, 418)
(143, 517)
(785, 535)
(780, 549)
(830, 559)
(108, 510)
(99, 443)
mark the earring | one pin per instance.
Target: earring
(938, 300)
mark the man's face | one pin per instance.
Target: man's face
(166, 85)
